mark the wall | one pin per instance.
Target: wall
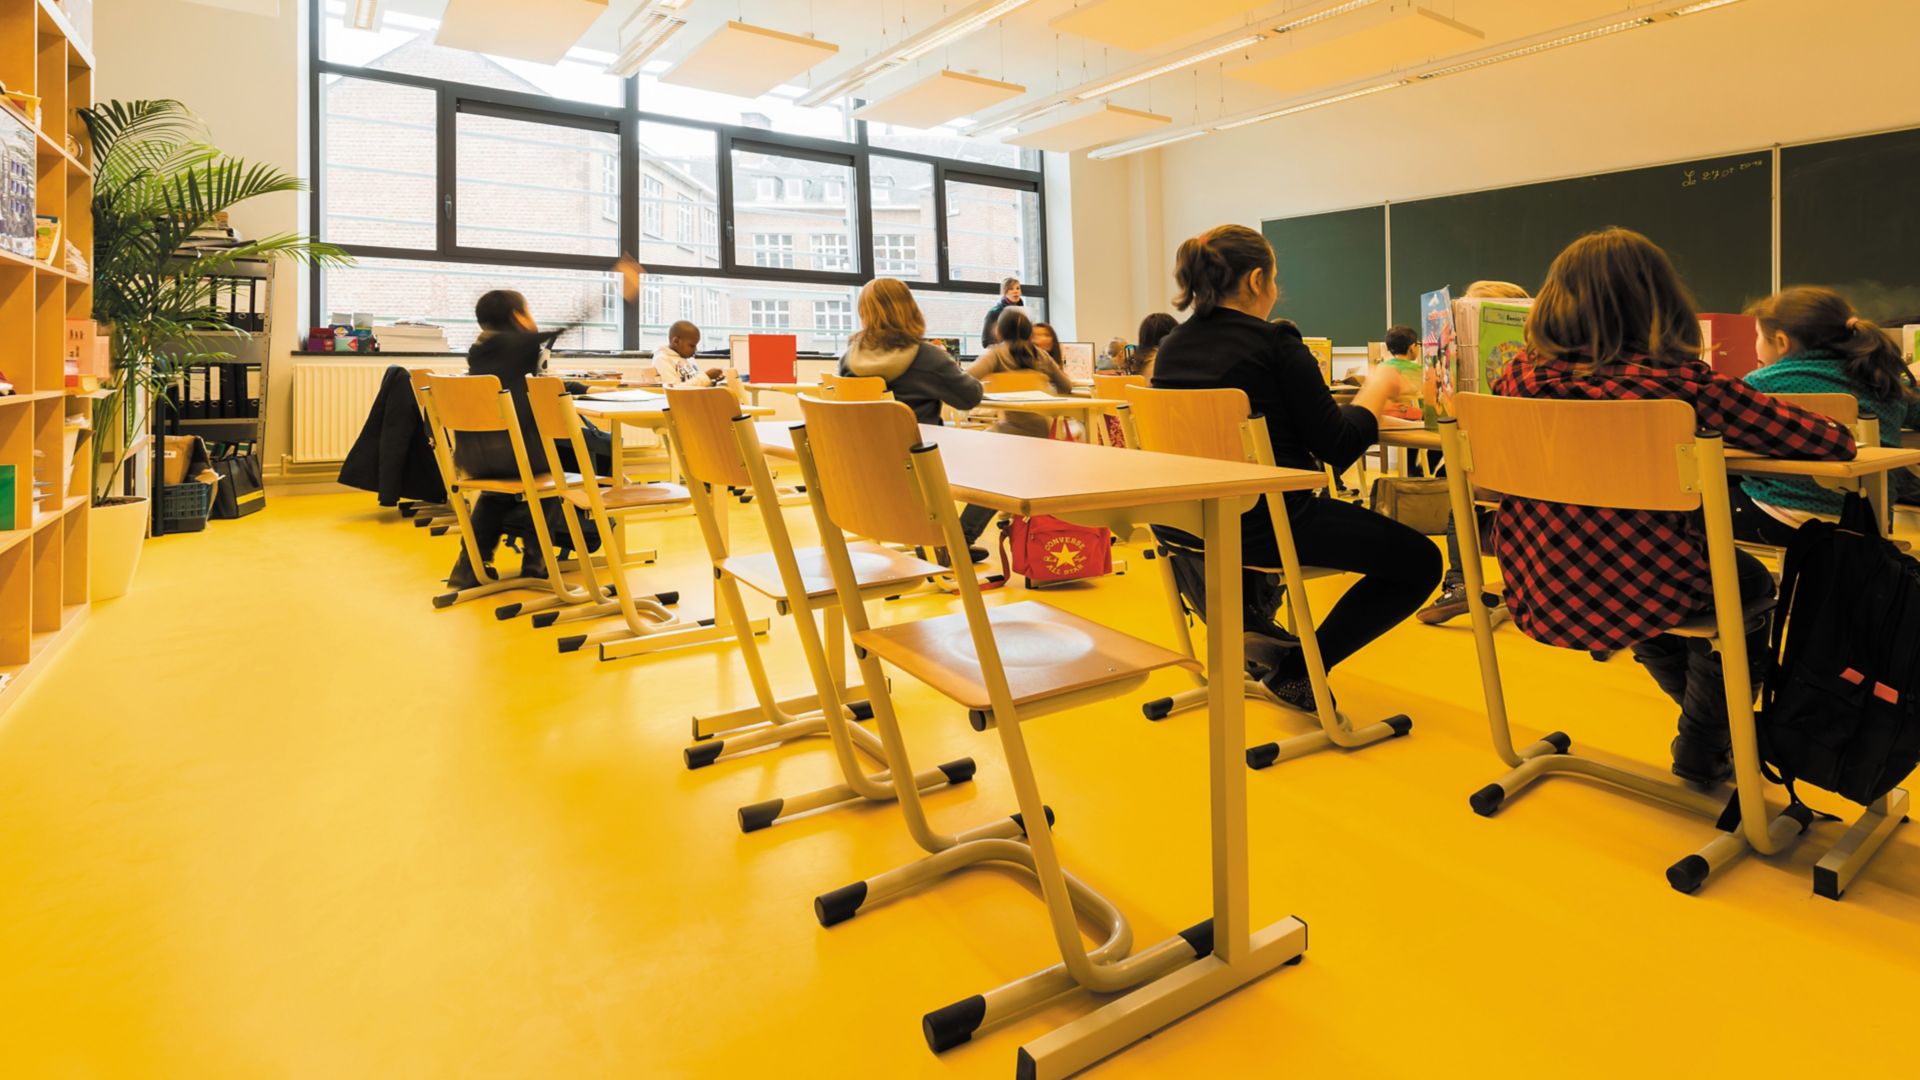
(240, 67)
(1752, 75)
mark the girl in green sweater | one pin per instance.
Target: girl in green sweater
(1812, 342)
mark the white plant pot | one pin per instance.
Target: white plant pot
(117, 534)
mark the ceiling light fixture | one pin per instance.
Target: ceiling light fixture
(1322, 16)
(1172, 65)
(1703, 5)
(1123, 151)
(655, 30)
(366, 15)
(1290, 110)
(1540, 47)
(938, 36)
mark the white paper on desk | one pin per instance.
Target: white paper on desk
(1400, 423)
(1020, 395)
(626, 395)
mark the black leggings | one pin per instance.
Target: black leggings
(1752, 524)
(1399, 568)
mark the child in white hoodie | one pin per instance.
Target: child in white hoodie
(674, 362)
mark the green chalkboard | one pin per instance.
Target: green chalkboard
(1848, 221)
(1333, 273)
(1714, 217)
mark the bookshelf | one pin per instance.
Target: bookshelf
(44, 557)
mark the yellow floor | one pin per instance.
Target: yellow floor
(273, 815)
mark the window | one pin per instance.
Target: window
(896, 255)
(769, 315)
(650, 304)
(993, 233)
(532, 185)
(830, 252)
(446, 172)
(773, 249)
(652, 193)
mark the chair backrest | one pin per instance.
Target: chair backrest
(703, 428)
(1621, 454)
(860, 452)
(1839, 408)
(1114, 387)
(1196, 423)
(546, 396)
(468, 402)
(1016, 382)
(855, 388)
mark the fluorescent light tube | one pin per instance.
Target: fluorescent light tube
(938, 36)
(1322, 16)
(1172, 65)
(1703, 5)
(365, 15)
(658, 30)
(1529, 50)
(1123, 151)
(1335, 100)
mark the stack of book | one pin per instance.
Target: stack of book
(406, 337)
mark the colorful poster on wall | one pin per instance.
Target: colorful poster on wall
(1437, 356)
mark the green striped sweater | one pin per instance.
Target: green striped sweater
(1819, 371)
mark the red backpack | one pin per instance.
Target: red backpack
(1046, 550)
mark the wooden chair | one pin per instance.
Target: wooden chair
(1016, 382)
(435, 517)
(643, 616)
(1215, 424)
(1113, 388)
(1845, 409)
(467, 405)
(720, 448)
(1543, 449)
(867, 475)
(854, 387)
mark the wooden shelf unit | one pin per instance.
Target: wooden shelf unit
(44, 586)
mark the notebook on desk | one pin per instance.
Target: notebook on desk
(626, 395)
(1016, 396)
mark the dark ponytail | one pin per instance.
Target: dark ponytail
(1210, 267)
(1814, 317)
(1013, 331)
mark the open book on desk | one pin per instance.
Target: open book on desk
(1015, 396)
(626, 395)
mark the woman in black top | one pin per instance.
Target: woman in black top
(1226, 277)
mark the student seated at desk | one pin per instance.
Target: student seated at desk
(1014, 351)
(1047, 341)
(1813, 342)
(1226, 278)
(511, 346)
(674, 362)
(1405, 405)
(1613, 321)
(1153, 331)
(891, 344)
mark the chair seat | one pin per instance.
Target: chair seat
(873, 564)
(1706, 626)
(1047, 653)
(633, 497)
(543, 482)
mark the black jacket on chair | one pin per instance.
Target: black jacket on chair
(392, 457)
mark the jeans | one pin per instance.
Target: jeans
(1399, 569)
(1752, 524)
(1689, 672)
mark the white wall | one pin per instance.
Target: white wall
(241, 67)
(1748, 76)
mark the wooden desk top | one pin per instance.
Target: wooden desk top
(642, 413)
(1049, 476)
(1871, 459)
(1063, 403)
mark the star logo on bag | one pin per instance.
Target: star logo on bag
(1066, 555)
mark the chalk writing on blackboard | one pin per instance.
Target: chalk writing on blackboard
(1696, 177)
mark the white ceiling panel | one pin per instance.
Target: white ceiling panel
(1147, 26)
(538, 30)
(938, 99)
(1371, 40)
(1088, 125)
(748, 61)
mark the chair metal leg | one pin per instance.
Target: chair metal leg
(1844, 861)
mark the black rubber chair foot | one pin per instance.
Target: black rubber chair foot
(668, 598)
(544, 619)
(839, 905)
(701, 755)
(958, 771)
(977, 719)
(507, 612)
(1486, 802)
(572, 643)
(1401, 725)
(861, 710)
(1263, 756)
(1022, 822)
(1158, 710)
(1688, 874)
(1296, 961)
(760, 815)
(445, 599)
(948, 1027)
(1560, 742)
(437, 530)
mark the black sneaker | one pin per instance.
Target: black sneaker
(1267, 654)
(1703, 766)
(1297, 693)
(462, 577)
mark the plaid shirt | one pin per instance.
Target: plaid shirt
(1584, 577)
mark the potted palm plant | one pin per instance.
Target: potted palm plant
(157, 179)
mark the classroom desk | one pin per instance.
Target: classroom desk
(755, 389)
(1118, 489)
(616, 415)
(1071, 405)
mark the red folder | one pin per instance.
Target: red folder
(1729, 341)
(771, 357)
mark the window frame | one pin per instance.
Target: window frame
(624, 121)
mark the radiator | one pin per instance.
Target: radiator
(331, 399)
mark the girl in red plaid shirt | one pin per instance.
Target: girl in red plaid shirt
(1614, 322)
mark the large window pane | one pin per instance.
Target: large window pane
(404, 43)
(679, 200)
(945, 142)
(993, 233)
(819, 316)
(959, 315)
(904, 233)
(380, 160)
(527, 186)
(792, 213)
(444, 293)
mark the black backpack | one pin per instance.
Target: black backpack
(1840, 708)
